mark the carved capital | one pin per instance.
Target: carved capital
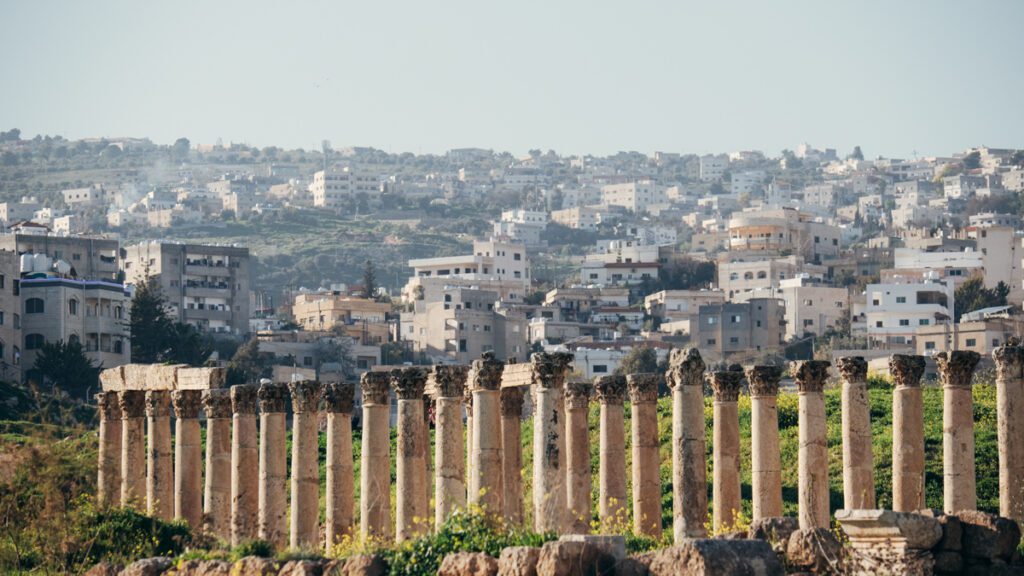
(550, 369)
(610, 389)
(409, 382)
(512, 402)
(217, 402)
(1009, 360)
(957, 367)
(273, 397)
(853, 369)
(339, 397)
(486, 373)
(906, 370)
(764, 380)
(376, 388)
(726, 384)
(158, 403)
(577, 395)
(133, 403)
(810, 375)
(685, 368)
(643, 387)
(306, 396)
(450, 381)
(187, 403)
(243, 398)
(109, 405)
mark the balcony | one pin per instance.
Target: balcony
(207, 314)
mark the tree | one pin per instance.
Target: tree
(12, 135)
(639, 359)
(149, 324)
(857, 154)
(336, 351)
(972, 160)
(247, 365)
(369, 279)
(68, 368)
(181, 148)
(972, 295)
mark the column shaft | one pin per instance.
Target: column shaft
(1009, 361)
(244, 465)
(643, 397)
(512, 453)
(726, 445)
(858, 462)
(340, 505)
(959, 490)
(577, 439)
(217, 488)
(766, 461)
(133, 447)
(689, 467)
(273, 474)
(549, 457)
(305, 524)
(375, 466)
(159, 457)
(188, 458)
(411, 514)
(907, 433)
(108, 481)
(449, 457)
(485, 481)
(812, 458)
(612, 497)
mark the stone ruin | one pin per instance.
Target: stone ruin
(244, 494)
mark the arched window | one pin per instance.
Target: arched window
(748, 275)
(117, 312)
(73, 307)
(34, 306)
(734, 276)
(118, 347)
(34, 341)
(762, 274)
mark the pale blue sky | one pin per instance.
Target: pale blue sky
(576, 76)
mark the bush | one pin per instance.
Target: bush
(124, 535)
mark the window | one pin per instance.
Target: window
(736, 319)
(34, 306)
(118, 347)
(73, 307)
(972, 342)
(808, 302)
(712, 320)
(929, 345)
(307, 360)
(904, 322)
(600, 368)
(34, 341)
(901, 299)
(1, 281)
(711, 341)
(734, 340)
(878, 324)
(923, 322)
(517, 256)
(808, 322)
(73, 339)
(462, 345)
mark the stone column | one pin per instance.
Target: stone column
(188, 457)
(340, 506)
(375, 464)
(427, 489)
(812, 458)
(766, 460)
(689, 467)
(485, 486)
(133, 447)
(468, 403)
(108, 481)
(159, 458)
(858, 463)
(244, 465)
(577, 442)
(549, 496)
(411, 512)
(612, 498)
(643, 398)
(907, 433)
(726, 495)
(305, 525)
(217, 488)
(449, 460)
(273, 478)
(512, 453)
(958, 484)
(1009, 361)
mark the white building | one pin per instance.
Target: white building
(336, 189)
(495, 264)
(894, 312)
(750, 182)
(523, 225)
(635, 196)
(713, 167)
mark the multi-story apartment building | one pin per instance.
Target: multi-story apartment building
(337, 189)
(95, 195)
(737, 275)
(895, 312)
(734, 331)
(10, 316)
(674, 305)
(636, 196)
(89, 258)
(750, 182)
(525, 226)
(812, 306)
(784, 230)
(578, 218)
(713, 167)
(363, 319)
(962, 185)
(495, 264)
(24, 209)
(206, 286)
(982, 336)
(824, 195)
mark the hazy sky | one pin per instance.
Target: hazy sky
(577, 76)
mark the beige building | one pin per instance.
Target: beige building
(10, 316)
(981, 336)
(782, 230)
(736, 332)
(635, 196)
(206, 286)
(494, 264)
(677, 305)
(578, 218)
(89, 258)
(812, 306)
(362, 319)
(737, 275)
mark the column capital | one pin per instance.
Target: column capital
(376, 388)
(486, 373)
(577, 395)
(763, 380)
(957, 367)
(187, 403)
(273, 397)
(306, 396)
(727, 383)
(610, 389)
(906, 370)
(158, 403)
(133, 403)
(643, 387)
(467, 400)
(550, 368)
(810, 375)
(853, 369)
(109, 405)
(450, 380)
(217, 403)
(685, 368)
(409, 382)
(1009, 359)
(243, 398)
(339, 397)
(512, 402)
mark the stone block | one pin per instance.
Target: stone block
(302, 568)
(468, 564)
(202, 568)
(775, 530)
(105, 569)
(254, 566)
(574, 559)
(705, 557)
(517, 375)
(518, 561)
(874, 527)
(952, 529)
(148, 567)
(815, 550)
(613, 545)
(987, 536)
(112, 379)
(200, 378)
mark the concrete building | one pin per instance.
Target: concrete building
(962, 185)
(362, 319)
(95, 195)
(713, 167)
(784, 230)
(750, 182)
(525, 226)
(10, 316)
(981, 336)
(737, 275)
(89, 258)
(618, 273)
(676, 305)
(737, 331)
(812, 306)
(578, 218)
(338, 189)
(895, 312)
(206, 286)
(635, 196)
(601, 358)
(497, 264)
(24, 209)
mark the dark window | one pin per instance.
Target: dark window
(34, 306)
(34, 341)
(462, 345)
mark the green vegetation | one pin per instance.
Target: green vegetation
(156, 338)
(972, 295)
(65, 365)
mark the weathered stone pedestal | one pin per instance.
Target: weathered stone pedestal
(959, 487)
(340, 496)
(305, 524)
(449, 459)
(907, 433)
(726, 495)
(549, 453)
(188, 457)
(1009, 361)
(689, 467)
(858, 462)
(613, 507)
(217, 487)
(410, 512)
(810, 376)
(159, 457)
(643, 398)
(577, 439)
(512, 453)
(766, 460)
(108, 481)
(375, 466)
(485, 481)
(273, 482)
(887, 542)
(244, 465)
